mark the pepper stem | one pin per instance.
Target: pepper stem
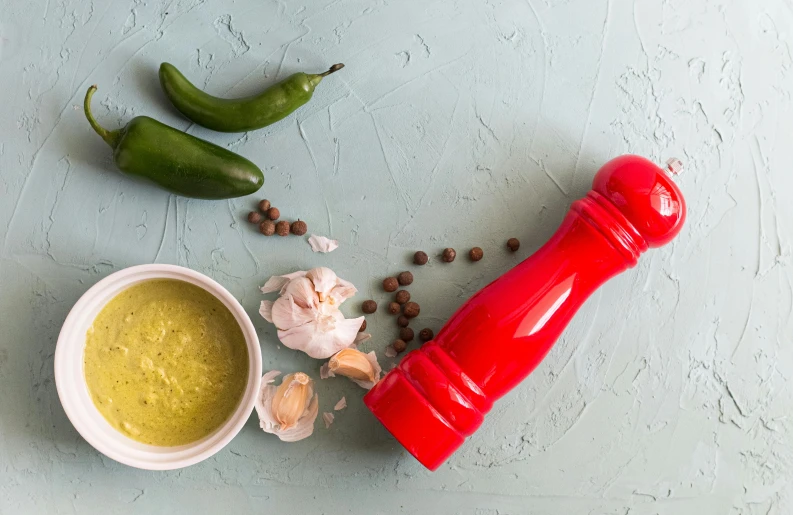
(110, 137)
(334, 68)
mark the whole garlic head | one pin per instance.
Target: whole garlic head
(290, 409)
(307, 312)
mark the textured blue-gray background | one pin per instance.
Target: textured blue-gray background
(455, 123)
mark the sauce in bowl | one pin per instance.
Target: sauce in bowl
(166, 362)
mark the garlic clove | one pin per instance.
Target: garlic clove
(266, 310)
(291, 399)
(294, 393)
(277, 282)
(302, 290)
(324, 280)
(361, 368)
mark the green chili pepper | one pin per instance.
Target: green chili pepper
(177, 161)
(243, 114)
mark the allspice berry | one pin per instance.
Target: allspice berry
(403, 321)
(476, 254)
(394, 308)
(449, 255)
(267, 227)
(273, 213)
(390, 284)
(254, 217)
(369, 307)
(406, 334)
(411, 309)
(399, 345)
(264, 205)
(513, 244)
(420, 258)
(405, 278)
(363, 327)
(299, 228)
(282, 227)
(402, 296)
(426, 334)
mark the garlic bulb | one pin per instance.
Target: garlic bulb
(289, 410)
(307, 312)
(361, 368)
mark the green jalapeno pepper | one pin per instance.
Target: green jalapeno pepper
(177, 161)
(243, 114)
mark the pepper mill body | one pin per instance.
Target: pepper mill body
(440, 393)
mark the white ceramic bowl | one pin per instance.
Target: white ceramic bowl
(79, 407)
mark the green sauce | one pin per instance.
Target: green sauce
(166, 362)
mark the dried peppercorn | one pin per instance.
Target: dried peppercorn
(399, 345)
(369, 307)
(390, 284)
(264, 205)
(402, 296)
(513, 244)
(282, 228)
(363, 327)
(426, 334)
(406, 334)
(254, 217)
(273, 213)
(299, 228)
(394, 308)
(267, 227)
(403, 321)
(411, 309)
(420, 258)
(449, 255)
(405, 278)
(476, 254)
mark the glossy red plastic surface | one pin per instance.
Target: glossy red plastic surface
(439, 394)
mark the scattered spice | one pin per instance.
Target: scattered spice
(390, 284)
(426, 334)
(405, 278)
(399, 346)
(513, 244)
(282, 227)
(363, 327)
(411, 309)
(369, 306)
(299, 228)
(402, 296)
(264, 205)
(449, 255)
(476, 254)
(420, 258)
(267, 227)
(403, 321)
(273, 213)
(406, 334)
(394, 308)
(254, 217)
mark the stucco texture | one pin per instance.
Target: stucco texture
(454, 123)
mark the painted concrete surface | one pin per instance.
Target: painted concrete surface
(455, 123)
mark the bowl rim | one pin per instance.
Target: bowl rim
(69, 395)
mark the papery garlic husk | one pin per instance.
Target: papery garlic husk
(361, 368)
(307, 312)
(289, 410)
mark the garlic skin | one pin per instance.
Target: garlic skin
(307, 312)
(290, 409)
(360, 368)
(322, 244)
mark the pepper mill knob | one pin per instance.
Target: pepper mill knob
(647, 197)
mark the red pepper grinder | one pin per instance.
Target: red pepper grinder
(440, 393)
